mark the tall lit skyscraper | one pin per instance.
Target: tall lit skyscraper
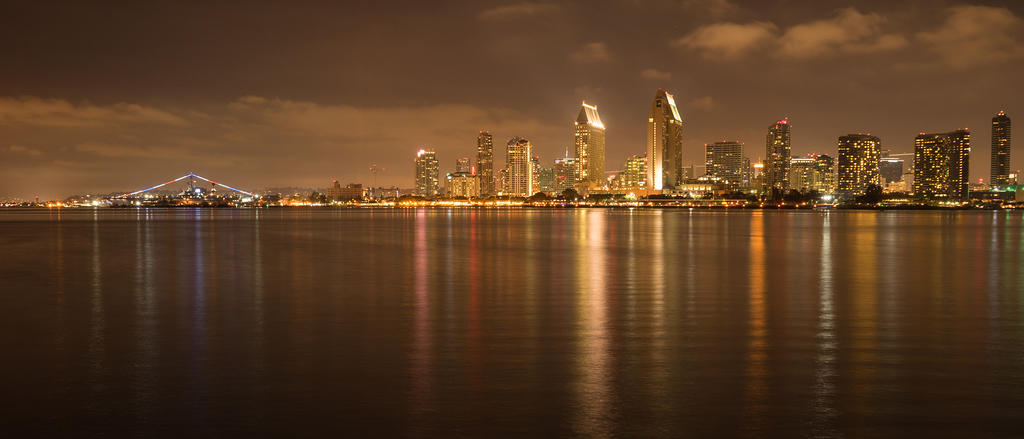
(777, 155)
(858, 163)
(588, 138)
(1000, 176)
(826, 172)
(427, 169)
(518, 168)
(535, 169)
(462, 164)
(941, 165)
(485, 163)
(664, 143)
(724, 161)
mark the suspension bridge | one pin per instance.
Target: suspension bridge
(191, 186)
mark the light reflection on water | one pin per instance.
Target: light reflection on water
(584, 322)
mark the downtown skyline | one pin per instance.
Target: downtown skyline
(68, 127)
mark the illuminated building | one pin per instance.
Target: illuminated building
(565, 174)
(427, 169)
(535, 168)
(777, 155)
(858, 163)
(351, 191)
(723, 161)
(814, 172)
(588, 138)
(485, 163)
(1000, 169)
(518, 168)
(941, 164)
(462, 165)
(757, 176)
(462, 184)
(635, 174)
(547, 179)
(664, 143)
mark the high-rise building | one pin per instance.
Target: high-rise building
(535, 168)
(547, 179)
(1000, 150)
(635, 174)
(427, 169)
(565, 174)
(664, 143)
(588, 139)
(814, 172)
(941, 165)
(462, 165)
(890, 169)
(858, 163)
(485, 163)
(724, 161)
(518, 168)
(777, 155)
(827, 173)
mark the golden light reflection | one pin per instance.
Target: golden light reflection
(755, 403)
(864, 307)
(825, 411)
(421, 342)
(593, 391)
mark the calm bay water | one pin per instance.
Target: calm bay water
(584, 322)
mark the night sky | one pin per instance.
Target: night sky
(103, 96)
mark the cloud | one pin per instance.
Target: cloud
(61, 113)
(591, 53)
(701, 103)
(518, 10)
(849, 31)
(655, 74)
(727, 41)
(18, 149)
(973, 35)
(107, 150)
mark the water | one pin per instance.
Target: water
(586, 322)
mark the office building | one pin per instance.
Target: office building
(664, 143)
(485, 163)
(858, 163)
(1000, 169)
(635, 173)
(723, 161)
(461, 184)
(588, 139)
(812, 173)
(462, 165)
(518, 168)
(427, 169)
(941, 165)
(565, 174)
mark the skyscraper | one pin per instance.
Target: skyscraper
(858, 163)
(485, 163)
(664, 143)
(777, 155)
(427, 169)
(890, 169)
(518, 168)
(1000, 150)
(565, 174)
(814, 172)
(462, 164)
(826, 172)
(588, 138)
(724, 161)
(941, 165)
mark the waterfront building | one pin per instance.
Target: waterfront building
(777, 155)
(941, 165)
(826, 173)
(565, 174)
(890, 169)
(858, 163)
(547, 179)
(462, 165)
(535, 168)
(723, 161)
(589, 142)
(518, 168)
(664, 143)
(812, 173)
(635, 173)
(427, 169)
(757, 176)
(462, 184)
(1000, 169)
(485, 163)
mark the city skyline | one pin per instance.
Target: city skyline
(307, 100)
